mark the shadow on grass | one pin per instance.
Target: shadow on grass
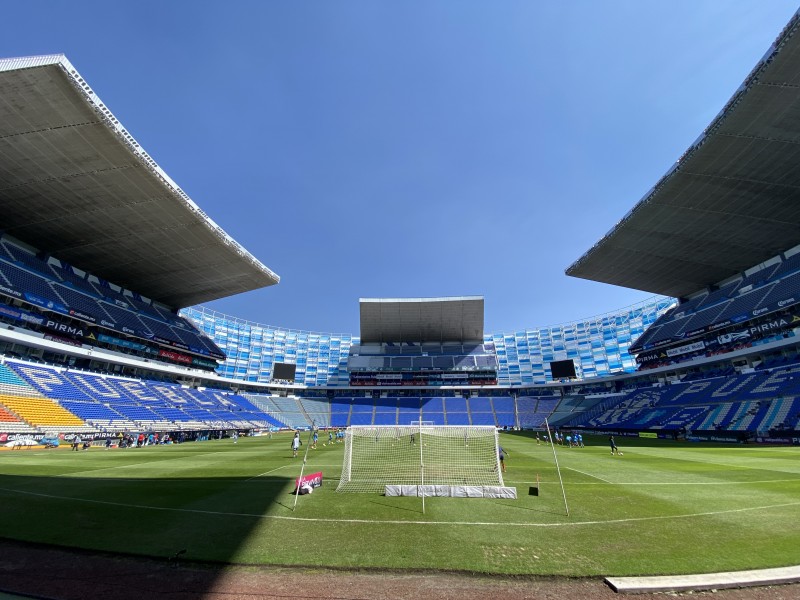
(172, 519)
(396, 507)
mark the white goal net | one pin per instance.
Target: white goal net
(448, 455)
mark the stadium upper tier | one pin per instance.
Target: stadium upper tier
(768, 290)
(730, 202)
(75, 184)
(598, 345)
(76, 305)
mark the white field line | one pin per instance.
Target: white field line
(590, 475)
(664, 483)
(393, 522)
(146, 462)
(266, 473)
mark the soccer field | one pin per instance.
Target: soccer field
(663, 507)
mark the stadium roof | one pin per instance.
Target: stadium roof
(76, 185)
(731, 201)
(394, 320)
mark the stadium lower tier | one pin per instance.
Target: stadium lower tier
(766, 400)
(44, 398)
(35, 397)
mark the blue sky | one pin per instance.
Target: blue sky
(408, 148)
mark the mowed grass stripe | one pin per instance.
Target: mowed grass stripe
(379, 522)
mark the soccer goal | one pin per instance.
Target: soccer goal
(426, 459)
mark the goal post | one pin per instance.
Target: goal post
(421, 455)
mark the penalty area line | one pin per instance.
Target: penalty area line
(397, 522)
(292, 465)
(590, 475)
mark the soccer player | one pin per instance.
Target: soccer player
(501, 454)
(613, 445)
(330, 438)
(295, 444)
(314, 440)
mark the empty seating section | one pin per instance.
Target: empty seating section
(743, 304)
(69, 277)
(286, 410)
(456, 411)
(362, 411)
(120, 316)
(7, 417)
(458, 418)
(480, 410)
(10, 378)
(534, 410)
(406, 415)
(433, 411)
(790, 286)
(25, 281)
(12, 385)
(49, 382)
(504, 411)
(340, 412)
(776, 286)
(118, 403)
(760, 400)
(96, 413)
(12, 423)
(78, 301)
(38, 396)
(783, 415)
(385, 411)
(720, 295)
(22, 256)
(40, 412)
(318, 410)
(25, 272)
(228, 407)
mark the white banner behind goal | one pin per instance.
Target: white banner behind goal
(453, 455)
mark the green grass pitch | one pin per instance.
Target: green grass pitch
(662, 508)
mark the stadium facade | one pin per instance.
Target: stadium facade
(598, 345)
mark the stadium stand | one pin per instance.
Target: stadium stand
(400, 370)
(760, 400)
(67, 297)
(768, 290)
(90, 401)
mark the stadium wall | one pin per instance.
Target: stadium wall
(599, 345)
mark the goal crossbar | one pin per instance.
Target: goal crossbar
(420, 454)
